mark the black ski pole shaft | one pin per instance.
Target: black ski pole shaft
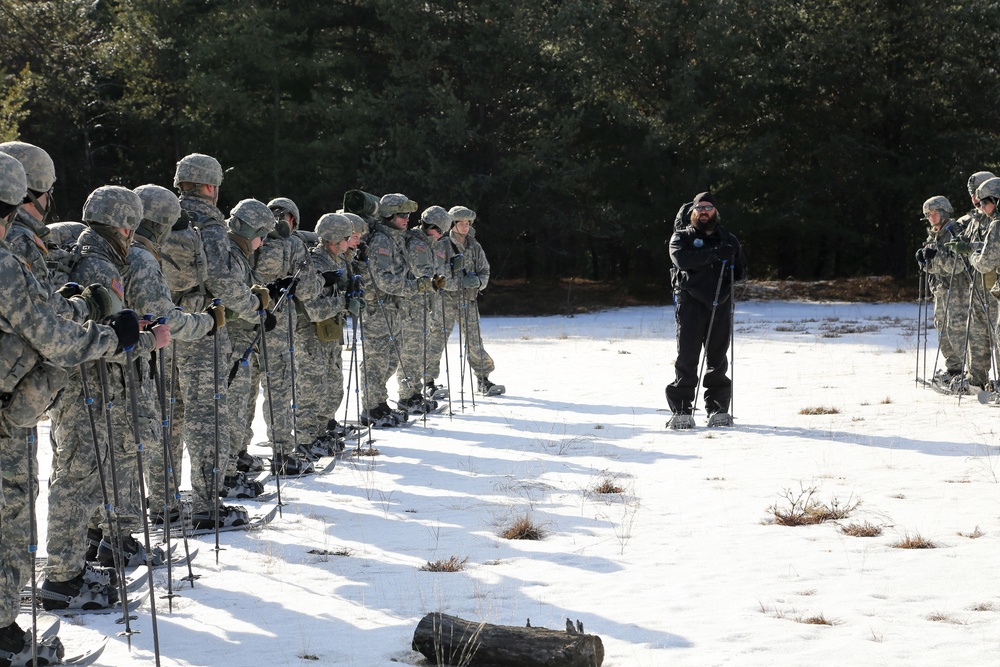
(295, 404)
(423, 372)
(461, 348)
(708, 337)
(279, 470)
(920, 307)
(447, 371)
(116, 531)
(350, 371)
(364, 363)
(161, 381)
(468, 348)
(732, 340)
(133, 400)
(244, 360)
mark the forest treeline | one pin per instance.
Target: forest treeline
(575, 128)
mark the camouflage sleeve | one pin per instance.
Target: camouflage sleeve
(419, 256)
(25, 311)
(310, 283)
(387, 268)
(944, 262)
(329, 302)
(988, 257)
(226, 281)
(147, 293)
(478, 258)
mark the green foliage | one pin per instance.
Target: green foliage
(575, 128)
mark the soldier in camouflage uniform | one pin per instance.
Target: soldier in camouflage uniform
(206, 247)
(982, 306)
(387, 284)
(276, 262)
(949, 277)
(75, 494)
(35, 344)
(473, 279)
(422, 313)
(146, 291)
(437, 228)
(320, 331)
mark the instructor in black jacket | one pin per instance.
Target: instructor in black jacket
(707, 259)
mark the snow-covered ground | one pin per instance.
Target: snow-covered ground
(685, 566)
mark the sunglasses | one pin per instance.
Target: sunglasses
(402, 215)
(704, 207)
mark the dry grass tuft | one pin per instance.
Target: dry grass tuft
(944, 618)
(914, 541)
(886, 401)
(864, 529)
(982, 606)
(453, 564)
(815, 620)
(367, 451)
(974, 535)
(330, 552)
(804, 510)
(820, 410)
(608, 485)
(523, 528)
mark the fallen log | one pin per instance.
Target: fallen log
(449, 640)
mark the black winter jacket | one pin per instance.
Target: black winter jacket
(697, 263)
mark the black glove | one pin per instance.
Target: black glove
(69, 290)
(725, 252)
(332, 278)
(361, 252)
(275, 288)
(270, 321)
(929, 253)
(126, 326)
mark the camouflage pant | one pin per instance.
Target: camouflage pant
(279, 363)
(242, 399)
(437, 335)
(153, 454)
(75, 494)
(466, 312)
(982, 332)
(319, 376)
(415, 321)
(194, 413)
(381, 336)
(17, 447)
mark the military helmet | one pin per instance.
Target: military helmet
(978, 179)
(13, 183)
(284, 204)
(198, 168)
(113, 206)
(334, 227)
(939, 203)
(436, 216)
(358, 223)
(38, 168)
(395, 203)
(159, 205)
(989, 189)
(462, 213)
(251, 218)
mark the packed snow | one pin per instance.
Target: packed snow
(685, 565)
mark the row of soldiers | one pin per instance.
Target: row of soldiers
(960, 260)
(213, 291)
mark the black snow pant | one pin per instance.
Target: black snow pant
(692, 318)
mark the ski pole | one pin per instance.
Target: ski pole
(33, 540)
(175, 471)
(392, 339)
(291, 378)
(364, 366)
(134, 404)
(708, 337)
(461, 349)
(732, 340)
(423, 373)
(158, 362)
(469, 303)
(445, 330)
(244, 360)
(217, 417)
(279, 470)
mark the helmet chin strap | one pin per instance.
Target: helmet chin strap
(44, 210)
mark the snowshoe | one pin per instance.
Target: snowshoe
(487, 388)
(229, 515)
(16, 648)
(720, 419)
(290, 464)
(680, 421)
(90, 590)
(94, 536)
(240, 486)
(247, 462)
(435, 391)
(418, 405)
(133, 550)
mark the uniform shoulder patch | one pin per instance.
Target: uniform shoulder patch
(116, 287)
(384, 251)
(41, 244)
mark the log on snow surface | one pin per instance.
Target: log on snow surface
(449, 640)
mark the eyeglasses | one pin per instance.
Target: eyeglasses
(402, 215)
(704, 207)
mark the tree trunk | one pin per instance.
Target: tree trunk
(449, 640)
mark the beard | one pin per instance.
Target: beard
(708, 224)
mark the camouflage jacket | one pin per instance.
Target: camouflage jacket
(281, 257)
(986, 259)
(226, 278)
(27, 320)
(387, 265)
(419, 255)
(238, 266)
(331, 301)
(25, 239)
(947, 268)
(146, 292)
(474, 259)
